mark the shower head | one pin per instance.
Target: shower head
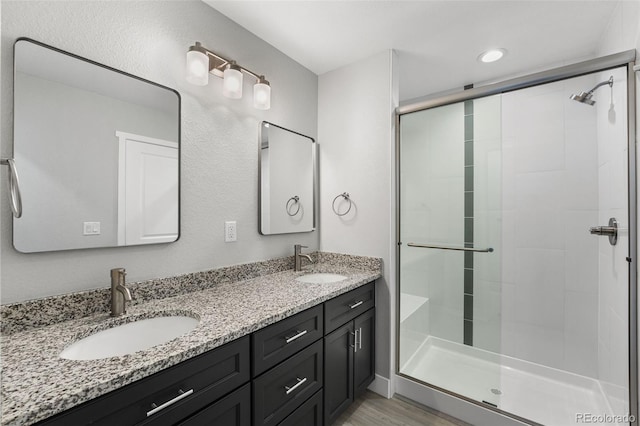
(585, 97)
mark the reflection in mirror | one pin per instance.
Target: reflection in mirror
(287, 181)
(97, 151)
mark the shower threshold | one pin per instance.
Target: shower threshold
(542, 394)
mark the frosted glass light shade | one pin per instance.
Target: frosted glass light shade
(232, 85)
(262, 95)
(197, 68)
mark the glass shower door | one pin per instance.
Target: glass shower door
(450, 215)
(509, 297)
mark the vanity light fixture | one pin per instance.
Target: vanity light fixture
(201, 62)
(492, 55)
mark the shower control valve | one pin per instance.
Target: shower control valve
(611, 231)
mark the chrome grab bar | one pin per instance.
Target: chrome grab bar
(14, 187)
(433, 246)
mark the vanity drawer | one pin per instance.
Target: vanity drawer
(344, 308)
(308, 414)
(232, 410)
(279, 391)
(277, 342)
(203, 379)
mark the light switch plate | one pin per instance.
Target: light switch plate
(91, 228)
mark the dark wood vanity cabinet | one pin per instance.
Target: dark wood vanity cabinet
(170, 396)
(301, 371)
(349, 350)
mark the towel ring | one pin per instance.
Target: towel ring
(347, 197)
(14, 187)
(296, 200)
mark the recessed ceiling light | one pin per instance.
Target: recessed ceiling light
(492, 55)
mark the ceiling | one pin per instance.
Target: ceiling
(437, 42)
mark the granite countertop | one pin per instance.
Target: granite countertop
(37, 383)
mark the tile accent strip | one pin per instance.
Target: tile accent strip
(31, 314)
(468, 223)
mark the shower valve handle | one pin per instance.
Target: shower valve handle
(610, 231)
(603, 230)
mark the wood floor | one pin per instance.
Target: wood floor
(372, 409)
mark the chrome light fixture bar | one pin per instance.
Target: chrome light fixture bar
(201, 62)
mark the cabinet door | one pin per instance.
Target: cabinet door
(308, 414)
(344, 308)
(364, 350)
(282, 389)
(338, 379)
(232, 410)
(277, 342)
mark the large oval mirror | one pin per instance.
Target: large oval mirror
(97, 151)
(287, 181)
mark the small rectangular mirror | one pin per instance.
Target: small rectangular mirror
(287, 171)
(97, 151)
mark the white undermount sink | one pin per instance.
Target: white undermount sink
(129, 338)
(320, 278)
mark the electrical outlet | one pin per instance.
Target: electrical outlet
(230, 234)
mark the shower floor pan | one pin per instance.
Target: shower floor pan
(542, 394)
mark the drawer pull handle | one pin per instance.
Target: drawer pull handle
(157, 408)
(355, 305)
(297, 336)
(294, 387)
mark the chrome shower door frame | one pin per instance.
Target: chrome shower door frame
(627, 59)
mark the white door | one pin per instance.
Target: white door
(147, 190)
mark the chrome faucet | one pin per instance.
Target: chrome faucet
(297, 250)
(119, 293)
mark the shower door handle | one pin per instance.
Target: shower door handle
(610, 231)
(441, 247)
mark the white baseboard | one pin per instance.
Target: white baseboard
(381, 386)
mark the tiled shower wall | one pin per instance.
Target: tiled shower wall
(550, 199)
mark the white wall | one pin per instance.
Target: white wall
(356, 137)
(219, 175)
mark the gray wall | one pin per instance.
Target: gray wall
(219, 136)
(357, 156)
